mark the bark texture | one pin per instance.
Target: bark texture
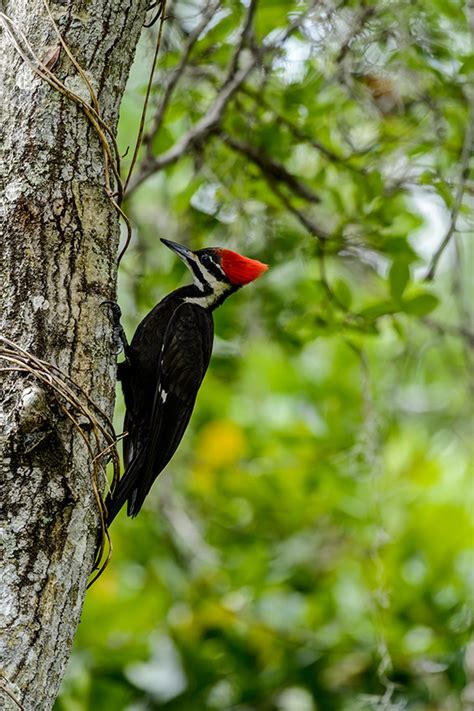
(59, 236)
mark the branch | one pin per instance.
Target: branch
(299, 133)
(210, 122)
(271, 168)
(244, 38)
(364, 17)
(307, 223)
(447, 329)
(197, 133)
(177, 74)
(212, 118)
(465, 157)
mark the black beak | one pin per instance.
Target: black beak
(183, 252)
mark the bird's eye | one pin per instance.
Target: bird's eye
(205, 259)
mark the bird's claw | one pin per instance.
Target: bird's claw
(115, 308)
(119, 337)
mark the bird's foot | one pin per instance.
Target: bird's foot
(119, 337)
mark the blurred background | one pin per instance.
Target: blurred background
(310, 546)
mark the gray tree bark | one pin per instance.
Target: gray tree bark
(59, 243)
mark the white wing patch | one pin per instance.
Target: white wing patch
(163, 396)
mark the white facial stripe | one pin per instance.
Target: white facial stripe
(205, 281)
(218, 288)
(196, 264)
(214, 283)
(198, 283)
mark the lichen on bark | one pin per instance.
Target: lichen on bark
(59, 236)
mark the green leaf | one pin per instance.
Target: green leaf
(271, 14)
(421, 304)
(399, 246)
(468, 65)
(343, 293)
(398, 278)
(381, 308)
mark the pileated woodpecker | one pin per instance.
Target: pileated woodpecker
(165, 364)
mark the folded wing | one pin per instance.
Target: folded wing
(182, 364)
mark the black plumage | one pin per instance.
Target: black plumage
(165, 365)
(166, 362)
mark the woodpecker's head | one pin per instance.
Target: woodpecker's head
(217, 272)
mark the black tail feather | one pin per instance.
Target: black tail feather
(125, 489)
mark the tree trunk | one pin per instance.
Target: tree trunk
(60, 234)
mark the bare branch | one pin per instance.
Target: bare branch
(212, 118)
(244, 38)
(299, 133)
(464, 174)
(271, 168)
(306, 221)
(178, 72)
(364, 16)
(197, 133)
(210, 122)
(274, 173)
(447, 329)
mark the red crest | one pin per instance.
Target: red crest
(240, 270)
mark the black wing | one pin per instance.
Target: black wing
(183, 362)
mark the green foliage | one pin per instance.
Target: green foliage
(310, 545)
